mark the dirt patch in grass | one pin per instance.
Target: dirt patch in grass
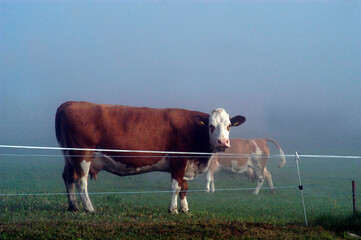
(184, 229)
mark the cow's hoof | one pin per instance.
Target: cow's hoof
(73, 211)
(187, 213)
(73, 208)
(89, 210)
(184, 211)
(273, 191)
(174, 211)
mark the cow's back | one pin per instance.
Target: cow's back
(82, 124)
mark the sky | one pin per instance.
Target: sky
(292, 68)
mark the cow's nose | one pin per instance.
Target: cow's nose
(223, 143)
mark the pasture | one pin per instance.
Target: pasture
(223, 214)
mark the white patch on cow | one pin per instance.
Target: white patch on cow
(102, 161)
(191, 170)
(194, 168)
(85, 166)
(82, 186)
(184, 205)
(281, 152)
(256, 157)
(283, 159)
(238, 169)
(258, 151)
(220, 120)
(173, 208)
(257, 168)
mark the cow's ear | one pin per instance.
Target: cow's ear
(201, 121)
(237, 120)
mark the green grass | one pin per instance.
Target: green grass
(224, 214)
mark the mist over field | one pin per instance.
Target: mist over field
(291, 68)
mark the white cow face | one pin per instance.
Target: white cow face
(219, 125)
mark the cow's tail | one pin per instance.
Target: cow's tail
(59, 135)
(58, 120)
(282, 155)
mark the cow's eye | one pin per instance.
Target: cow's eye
(229, 127)
(212, 128)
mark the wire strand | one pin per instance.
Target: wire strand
(138, 192)
(192, 154)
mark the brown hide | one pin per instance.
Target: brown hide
(87, 125)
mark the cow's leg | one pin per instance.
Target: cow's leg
(82, 185)
(208, 178)
(68, 176)
(213, 189)
(258, 172)
(183, 198)
(210, 173)
(259, 185)
(173, 208)
(250, 174)
(210, 181)
(268, 177)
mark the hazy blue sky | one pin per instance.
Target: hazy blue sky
(292, 68)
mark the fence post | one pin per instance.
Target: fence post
(353, 197)
(297, 158)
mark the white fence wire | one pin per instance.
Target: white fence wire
(138, 192)
(198, 154)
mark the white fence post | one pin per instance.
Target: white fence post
(297, 157)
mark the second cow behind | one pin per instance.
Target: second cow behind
(251, 160)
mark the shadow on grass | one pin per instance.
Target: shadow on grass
(340, 224)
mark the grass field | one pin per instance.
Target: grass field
(223, 214)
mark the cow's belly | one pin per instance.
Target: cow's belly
(237, 167)
(101, 161)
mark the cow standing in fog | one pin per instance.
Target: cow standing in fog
(93, 126)
(252, 163)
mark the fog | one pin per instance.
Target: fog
(293, 69)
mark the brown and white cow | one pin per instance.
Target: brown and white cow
(254, 154)
(93, 126)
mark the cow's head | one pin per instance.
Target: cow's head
(219, 124)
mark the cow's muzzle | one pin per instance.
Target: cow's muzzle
(222, 145)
